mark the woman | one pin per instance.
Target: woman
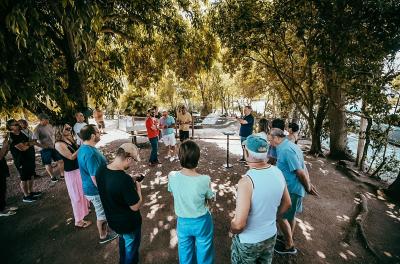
(68, 149)
(191, 191)
(263, 128)
(293, 132)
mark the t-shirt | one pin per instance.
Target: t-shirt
(117, 192)
(4, 172)
(21, 158)
(247, 129)
(98, 115)
(150, 132)
(77, 129)
(90, 160)
(289, 159)
(190, 194)
(183, 118)
(45, 135)
(169, 120)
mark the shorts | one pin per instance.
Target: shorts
(101, 125)
(169, 140)
(183, 135)
(49, 154)
(296, 208)
(98, 207)
(261, 252)
(26, 172)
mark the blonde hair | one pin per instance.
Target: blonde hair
(58, 134)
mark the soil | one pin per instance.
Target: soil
(44, 232)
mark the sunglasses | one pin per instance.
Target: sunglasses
(68, 128)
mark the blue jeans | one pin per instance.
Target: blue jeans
(129, 247)
(154, 149)
(195, 240)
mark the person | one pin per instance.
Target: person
(121, 197)
(184, 119)
(167, 123)
(262, 196)
(25, 129)
(23, 154)
(272, 156)
(99, 118)
(152, 133)
(90, 160)
(68, 149)
(44, 133)
(293, 132)
(246, 126)
(4, 174)
(290, 161)
(191, 191)
(263, 128)
(80, 122)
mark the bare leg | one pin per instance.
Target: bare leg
(49, 170)
(293, 225)
(30, 185)
(60, 166)
(24, 187)
(102, 228)
(287, 232)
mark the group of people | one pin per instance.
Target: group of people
(269, 195)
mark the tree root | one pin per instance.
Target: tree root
(357, 227)
(356, 176)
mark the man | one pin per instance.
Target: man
(152, 133)
(291, 162)
(44, 134)
(167, 123)
(262, 196)
(246, 126)
(122, 198)
(23, 154)
(90, 160)
(99, 118)
(184, 119)
(272, 156)
(80, 122)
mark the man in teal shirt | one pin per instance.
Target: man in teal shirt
(290, 161)
(167, 123)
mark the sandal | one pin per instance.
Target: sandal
(84, 224)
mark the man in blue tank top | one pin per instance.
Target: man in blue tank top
(262, 195)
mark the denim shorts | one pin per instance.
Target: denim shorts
(49, 154)
(98, 207)
(297, 207)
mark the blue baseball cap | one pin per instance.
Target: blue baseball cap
(256, 144)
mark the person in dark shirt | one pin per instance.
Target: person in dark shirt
(246, 126)
(23, 154)
(121, 197)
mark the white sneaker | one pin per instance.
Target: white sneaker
(172, 159)
(167, 157)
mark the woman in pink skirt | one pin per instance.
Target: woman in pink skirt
(68, 149)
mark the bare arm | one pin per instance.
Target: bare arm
(4, 148)
(22, 146)
(286, 203)
(243, 203)
(305, 181)
(137, 206)
(63, 150)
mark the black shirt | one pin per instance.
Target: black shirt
(21, 158)
(4, 168)
(247, 129)
(70, 165)
(117, 192)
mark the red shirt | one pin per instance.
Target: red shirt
(151, 133)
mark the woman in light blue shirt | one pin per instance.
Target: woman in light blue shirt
(191, 191)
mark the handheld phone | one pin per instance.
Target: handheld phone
(140, 178)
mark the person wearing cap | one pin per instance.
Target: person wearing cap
(44, 134)
(184, 119)
(246, 126)
(90, 160)
(167, 123)
(80, 122)
(262, 196)
(290, 161)
(191, 192)
(152, 133)
(121, 197)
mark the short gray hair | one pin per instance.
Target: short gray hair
(276, 132)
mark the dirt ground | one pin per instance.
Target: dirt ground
(43, 232)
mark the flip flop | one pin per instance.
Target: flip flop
(8, 213)
(85, 224)
(12, 208)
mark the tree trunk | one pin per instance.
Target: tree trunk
(361, 137)
(366, 145)
(316, 130)
(337, 118)
(394, 189)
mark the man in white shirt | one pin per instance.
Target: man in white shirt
(80, 122)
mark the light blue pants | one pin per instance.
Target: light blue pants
(195, 240)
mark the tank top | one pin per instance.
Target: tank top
(70, 165)
(268, 187)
